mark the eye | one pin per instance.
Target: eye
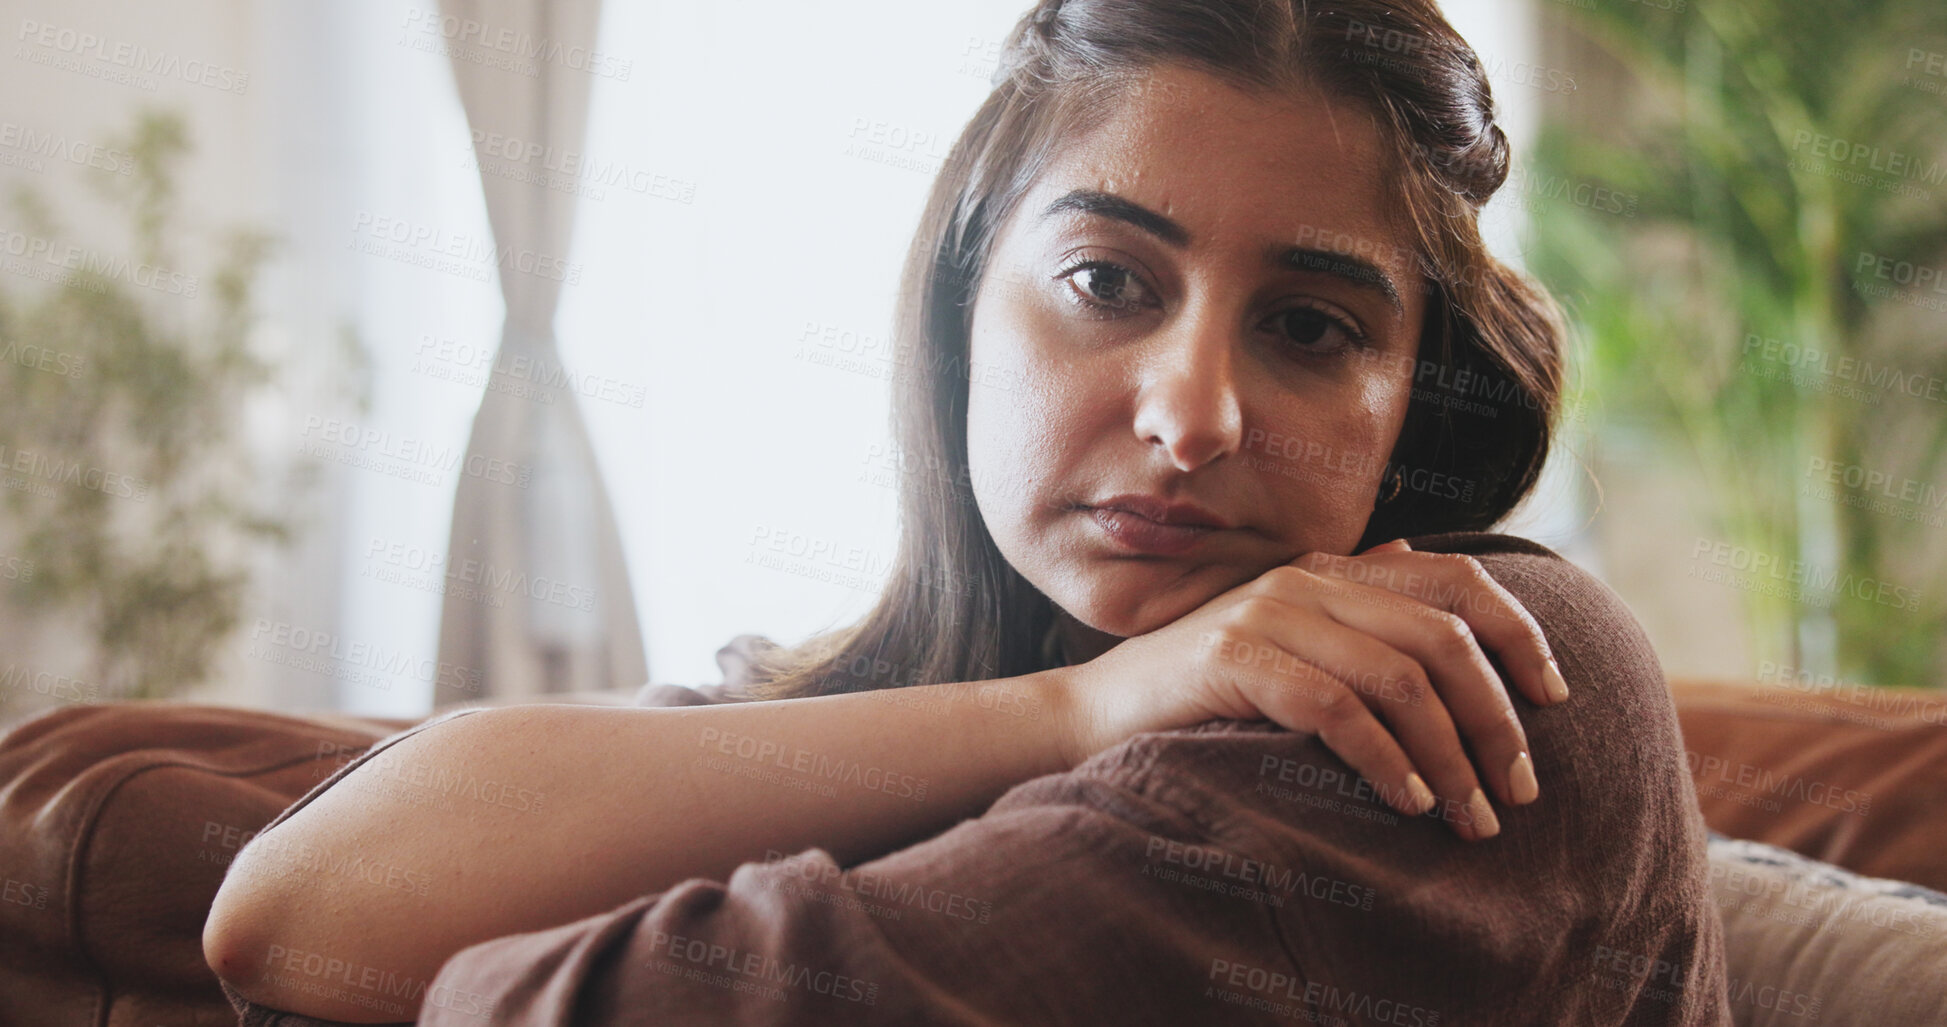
(1317, 331)
(1103, 286)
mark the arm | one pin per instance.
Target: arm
(474, 871)
(1051, 909)
(515, 824)
(591, 697)
(1226, 873)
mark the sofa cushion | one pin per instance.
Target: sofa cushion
(1851, 775)
(117, 822)
(1807, 942)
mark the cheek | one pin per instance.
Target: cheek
(1323, 459)
(1026, 409)
(1382, 412)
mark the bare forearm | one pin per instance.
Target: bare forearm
(525, 817)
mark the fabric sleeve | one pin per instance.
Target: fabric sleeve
(1232, 872)
(1229, 873)
(1037, 914)
(1592, 905)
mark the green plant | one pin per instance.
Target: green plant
(1750, 247)
(127, 480)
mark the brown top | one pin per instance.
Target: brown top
(1233, 872)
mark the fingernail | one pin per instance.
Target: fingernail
(1421, 795)
(1553, 682)
(1521, 780)
(1483, 820)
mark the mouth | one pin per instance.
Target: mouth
(1137, 533)
(1165, 512)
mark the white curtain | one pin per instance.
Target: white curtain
(538, 594)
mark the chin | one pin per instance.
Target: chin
(1114, 615)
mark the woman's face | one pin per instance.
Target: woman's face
(1203, 300)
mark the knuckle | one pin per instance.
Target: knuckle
(1476, 585)
(1225, 642)
(1449, 631)
(1482, 585)
(1336, 704)
(1410, 684)
(1458, 647)
(1253, 610)
(1303, 675)
(1285, 579)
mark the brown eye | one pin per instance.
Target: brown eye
(1307, 327)
(1314, 331)
(1105, 286)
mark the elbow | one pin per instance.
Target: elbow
(259, 941)
(236, 939)
(247, 933)
(281, 921)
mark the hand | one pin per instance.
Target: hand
(1332, 645)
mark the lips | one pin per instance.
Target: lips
(1141, 535)
(1148, 525)
(1161, 511)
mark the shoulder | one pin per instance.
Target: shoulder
(1617, 804)
(1619, 722)
(1519, 564)
(1591, 630)
(1611, 855)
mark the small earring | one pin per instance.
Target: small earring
(1398, 480)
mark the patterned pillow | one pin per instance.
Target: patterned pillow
(1808, 942)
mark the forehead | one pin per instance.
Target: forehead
(1240, 170)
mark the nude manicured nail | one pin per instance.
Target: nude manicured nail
(1553, 683)
(1421, 795)
(1485, 824)
(1521, 780)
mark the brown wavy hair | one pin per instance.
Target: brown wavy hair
(954, 609)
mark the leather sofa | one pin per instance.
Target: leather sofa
(118, 820)
(1852, 776)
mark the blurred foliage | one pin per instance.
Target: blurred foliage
(126, 479)
(1754, 241)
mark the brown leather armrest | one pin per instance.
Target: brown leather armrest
(117, 822)
(1852, 775)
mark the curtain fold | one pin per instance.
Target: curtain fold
(538, 598)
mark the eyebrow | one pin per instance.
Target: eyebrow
(1301, 258)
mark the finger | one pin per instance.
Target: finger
(1461, 586)
(1398, 545)
(1309, 699)
(1350, 730)
(1396, 688)
(1443, 644)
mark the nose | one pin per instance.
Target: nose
(1188, 402)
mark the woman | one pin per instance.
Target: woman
(1194, 302)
